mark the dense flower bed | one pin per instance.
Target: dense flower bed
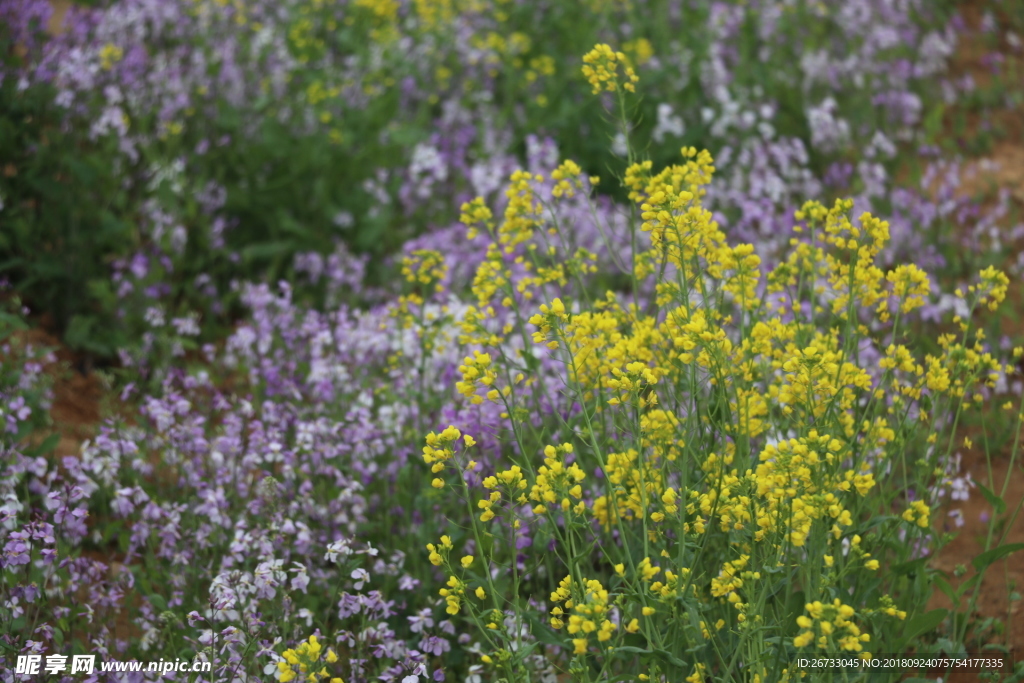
(521, 383)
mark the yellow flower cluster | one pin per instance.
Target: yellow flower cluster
(832, 623)
(745, 273)
(601, 69)
(729, 580)
(797, 482)
(385, 10)
(733, 426)
(910, 285)
(567, 175)
(523, 213)
(439, 554)
(453, 594)
(640, 50)
(435, 13)
(667, 590)
(425, 270)
(425, 267)
(491, 276)
(542, 65)
(636, 481)
(476, 370)
(918, 513)
(110, 55)
(992, 289)
(440, 449)
(546, 321)
(556, 483)
(476, 215)
(514, 483)
(888, 607)
(586, 614)
(306, 657)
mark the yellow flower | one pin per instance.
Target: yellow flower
(110, 54)
(307, 658)
(287, 673)
(600, 67)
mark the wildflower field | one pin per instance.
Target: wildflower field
(512, 340)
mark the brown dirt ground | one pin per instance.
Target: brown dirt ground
(77, 396)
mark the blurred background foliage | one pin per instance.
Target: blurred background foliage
(221, 140)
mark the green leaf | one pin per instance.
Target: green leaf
(995, 647)
(919, 625)
(911, 567)
(124, 540)
(661, 654)
(84, 332)
(669, 657)
(944, 586)
(11, 263)
(794, 608)
(988, 557)
(289, 225)
(997, 503)
(47, 446)
(158, 602)
(966, 585)
(266, 250)
(13, 321)
(542, 632)
(933, 121)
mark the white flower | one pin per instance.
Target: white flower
(301, 578)
(619, 146)
(361, 576)
(669, 123)
(338, 549)
(421, 620)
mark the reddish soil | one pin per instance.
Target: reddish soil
(1001, 578)
(77, 396)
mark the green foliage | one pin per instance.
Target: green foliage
(65, 216)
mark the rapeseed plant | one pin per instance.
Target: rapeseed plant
(307, 659)
(734, 484)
